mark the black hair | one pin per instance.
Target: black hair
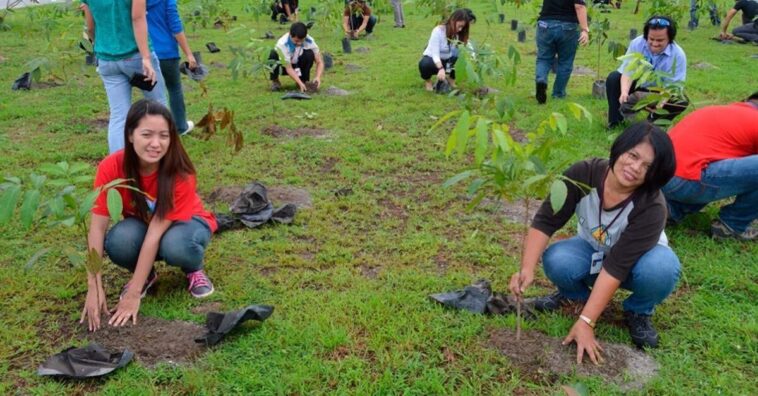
(470, 15)
(754, 96)
(670, 29)
(662, 168)
(299, 30)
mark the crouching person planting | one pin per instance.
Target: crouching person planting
(164, 221)
(300, 52)
(620, 242)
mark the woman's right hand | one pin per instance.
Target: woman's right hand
(94, 306)
(520, 281)
(441, 74)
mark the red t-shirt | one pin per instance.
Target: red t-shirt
(714, 133)
(186, 201)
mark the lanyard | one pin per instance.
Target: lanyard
(601, 230)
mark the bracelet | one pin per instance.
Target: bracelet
(587, 320)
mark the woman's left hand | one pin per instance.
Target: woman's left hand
(584, 336)
(126, 309)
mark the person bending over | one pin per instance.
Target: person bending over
(164, 221)
(287, 8)
(716, 158)
(300, 52)
(441, 52)
(620, 243)
(357, 18)
(749, 29)
(658, 47)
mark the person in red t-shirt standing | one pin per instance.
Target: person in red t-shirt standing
(717, 157)
(166, 221)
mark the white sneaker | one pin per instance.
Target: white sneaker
(190, 127)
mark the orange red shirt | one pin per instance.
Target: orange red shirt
(187, 202)
(714, 133)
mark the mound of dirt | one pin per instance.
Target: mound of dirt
(152, 340)
(543, 359)
(282, 132)
(582, 71)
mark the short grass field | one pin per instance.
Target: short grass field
(349, 279)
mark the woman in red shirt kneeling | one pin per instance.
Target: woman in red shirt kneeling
(166, 221)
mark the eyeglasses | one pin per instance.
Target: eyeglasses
(659, 22)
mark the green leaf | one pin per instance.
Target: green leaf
(79, 167)
(533, 179)
(68, 222)
(74, 257)
(482, 141)
(8, 202)
(457, 178)
(57, 206)
(37, 180)
(29, 207)
(558, 192)
(461, 132)
(498, 137)
(115, 204)
(560, 122)
(52, 169)
(82, 179)
(13, 179)
(33, 260)
(475, 185)
(85, 206)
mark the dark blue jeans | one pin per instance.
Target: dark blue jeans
(183, 245)
(736, 177)
(651, 280)
(173, 79)
(556, 38)
(357, 21)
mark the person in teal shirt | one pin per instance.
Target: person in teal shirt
(118, 29)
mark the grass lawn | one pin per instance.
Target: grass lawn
(350, 278)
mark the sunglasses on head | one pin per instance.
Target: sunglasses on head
(659, 22)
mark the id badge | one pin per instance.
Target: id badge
(597, 263)
(298, 72)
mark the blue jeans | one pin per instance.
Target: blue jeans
(556, 38)
(116, 76)
(651, 280)
(173, 79)
(721, 179)
(183, 245)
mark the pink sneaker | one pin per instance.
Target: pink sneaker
(199, 284)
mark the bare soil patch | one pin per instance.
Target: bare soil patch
(282, 132)
(152, 340)
(353, 68)
(702, 66)
(328, 165)
(544, 359)
(517, 134)
(45, 84)
(203, 309)
(97, 124)
(582, 71)
(281, 195)
(391, 210)
(513, 211)
(369, 272)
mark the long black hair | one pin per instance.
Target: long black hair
(175, 163)
(662, 168)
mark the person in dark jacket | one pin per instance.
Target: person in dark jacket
(621, 214)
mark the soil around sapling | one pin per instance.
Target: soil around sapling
(543, 359)
(153, 340)
(282, 132)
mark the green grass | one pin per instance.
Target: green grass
(334, 329)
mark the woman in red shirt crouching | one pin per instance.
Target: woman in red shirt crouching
(166, 221)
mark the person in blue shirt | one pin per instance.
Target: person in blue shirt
(658, 47)
(166, 31)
